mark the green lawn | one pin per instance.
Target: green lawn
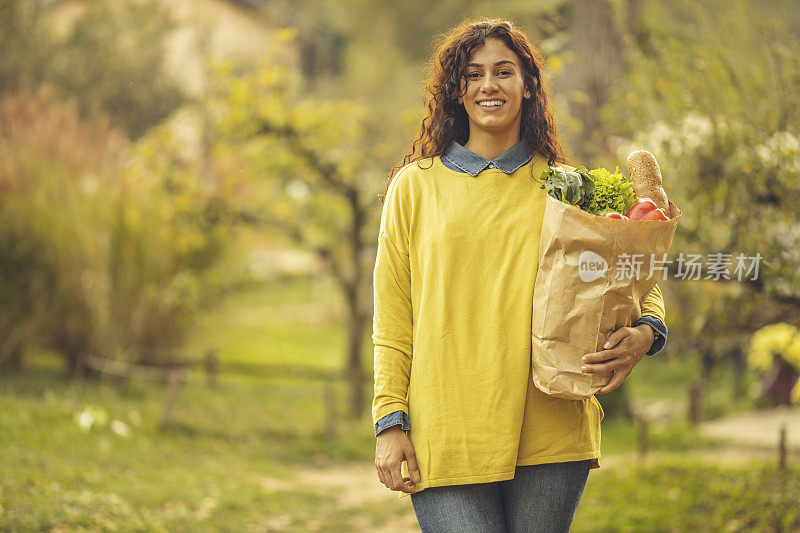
(214, 467)
(680, 494)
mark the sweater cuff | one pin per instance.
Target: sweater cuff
(393, 419)
(659, 332)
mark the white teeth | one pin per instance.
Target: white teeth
(491, 103)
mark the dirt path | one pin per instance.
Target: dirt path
(744, 438)
(760, 429)
(356, 486)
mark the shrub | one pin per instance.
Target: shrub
(106, 245)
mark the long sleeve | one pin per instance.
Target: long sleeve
(654, 315)
(392, 318)
(398, 418)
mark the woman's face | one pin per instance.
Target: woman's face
(494, 88)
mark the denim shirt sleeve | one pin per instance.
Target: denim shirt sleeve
(659, 332)
(393, 419)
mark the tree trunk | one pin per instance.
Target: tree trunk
(13, 362)
(706, 363)
(77, 368)
(737, 358)
(597, 46)
(355, 335)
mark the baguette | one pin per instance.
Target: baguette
(646, 177)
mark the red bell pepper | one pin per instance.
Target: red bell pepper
(614, 214)
(641, 208)
(656, 214)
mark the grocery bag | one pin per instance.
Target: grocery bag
(593, 273)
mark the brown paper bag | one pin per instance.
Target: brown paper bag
(586, 289)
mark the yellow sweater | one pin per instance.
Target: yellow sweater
(453, 287)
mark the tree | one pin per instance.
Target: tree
(594, 60)
(306, 167)
(710, 89)
(110, 61)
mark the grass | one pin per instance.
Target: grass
(230, 458)
(686, 495)
(296, 322)
(666, 378)
(202, 471)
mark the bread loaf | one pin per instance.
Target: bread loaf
(646, 177)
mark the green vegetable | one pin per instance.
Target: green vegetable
(573, 187)
(596, 191)
(613, 192)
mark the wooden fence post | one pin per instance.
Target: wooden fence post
(643, 430)
(80, 368)
(330, 410)
(696, 402)
(174, 381)
(782, 448)
(212, 365)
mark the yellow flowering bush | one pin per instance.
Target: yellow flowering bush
(779, 339)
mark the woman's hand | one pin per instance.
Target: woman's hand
(392, 448)
(623, 350)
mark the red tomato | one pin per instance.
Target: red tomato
(614, 214)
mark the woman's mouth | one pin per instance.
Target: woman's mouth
(491, 105)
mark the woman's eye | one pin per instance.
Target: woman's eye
(474, 75)
(505, 73)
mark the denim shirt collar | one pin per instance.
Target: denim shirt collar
(472, 163)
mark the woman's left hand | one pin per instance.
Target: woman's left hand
(623, 350)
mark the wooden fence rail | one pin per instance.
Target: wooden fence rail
(172, 374)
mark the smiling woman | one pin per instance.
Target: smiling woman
(493, 90)
(458, 246)
(471, 49)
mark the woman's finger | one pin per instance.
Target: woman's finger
(621, 348)
(616, 337)
(400, 482)
(602, 368)
(395, 477)
(382, 477)
(616, 381)
(403, 484)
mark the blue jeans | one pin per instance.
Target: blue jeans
(540, 498)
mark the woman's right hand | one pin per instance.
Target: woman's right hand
(392, 448)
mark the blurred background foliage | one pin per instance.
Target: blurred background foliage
(288, 143)
(106, 244)
(190, 175)
(108, 61)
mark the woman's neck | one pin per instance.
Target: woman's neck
(491, 145)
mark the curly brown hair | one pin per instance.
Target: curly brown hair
(446, 120)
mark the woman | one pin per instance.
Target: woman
(454, 274)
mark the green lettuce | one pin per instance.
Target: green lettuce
(595, 191)
(612, 192)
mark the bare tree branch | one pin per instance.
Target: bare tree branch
(297, 234)
(327, 171)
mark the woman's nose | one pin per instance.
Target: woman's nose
(489, 84)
